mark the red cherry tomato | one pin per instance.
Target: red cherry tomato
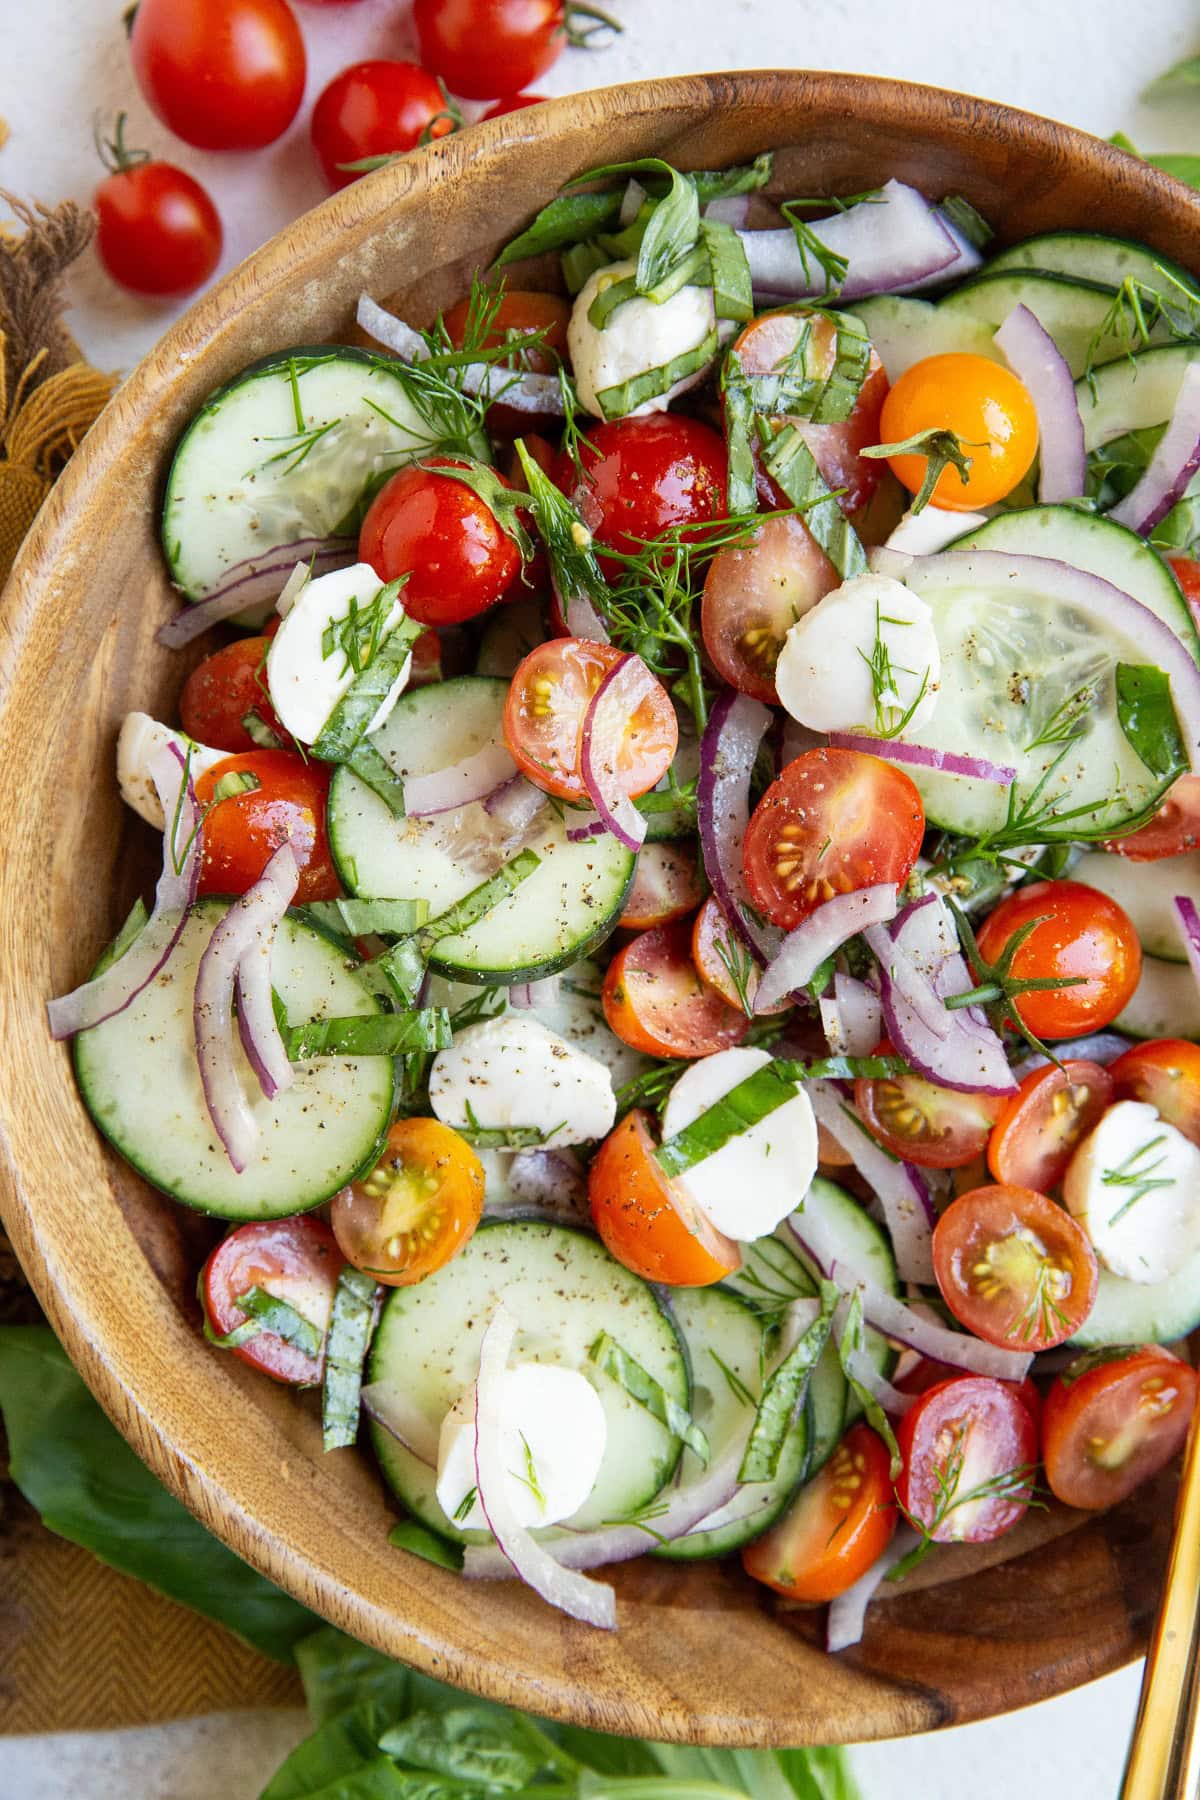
(1039, 1130)
(724, 964)
(488, 48)
(1113, 1419)
(544, 714)
(220, 74)
(834, 821)
(374, 109)
(514, 103)
(837, 1526)
(924, 1373)
(1167, 1074)
(667, 884)
(935, 1127)
(655, 1001)
(296, 1260)
(642, 476)
(157, 231)
(518, 312)
(754, 593)
(1174, 829)
(646, 1220)
(223, 691)
(1014, 1268)
(241, 832)
(1186, 571)
(969, 1448)
(434, 528)
(1083, 934)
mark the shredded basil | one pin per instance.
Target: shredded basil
(346, 727)
(964, 217)
(570, 219)
(691, 268)
(674, 227)
(265, 1312)
(259, 732)
(238, 781)
(373, 768)
(378, 1034)
(580, 263)
(350, 1328)
(404, 964)
(785, 1393)
(793, 467)
(728, 271)
(1148, 719)
(363, 918)
(418, 1540)
(640, 1385)
(618, 402)
(739, 430)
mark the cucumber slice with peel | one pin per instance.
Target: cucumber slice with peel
(1165, 1004)
(1075, 313)
(1091, 256)
(905, 331)
(1132, 394)
(1145, 891)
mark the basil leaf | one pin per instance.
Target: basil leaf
(617, 402)
(581, 261)
(739, 426)
(729, 271)
(743, 1107)
(571, 219)
(1147, 717)
(691, 267)
(641, 1386)
(1183, 167)
(404, 964)
(964, 217)
(852, 1340)
(744, 178)
(674, 226)
(378, 1034)
(792, 465)
(366, 918)
(346, 727)
(1180, 530)
(784, 1395)
(467, 1747)
(372, 768)
(350, 1328)
(403, 967)
(282, 1319)
(418, 1540)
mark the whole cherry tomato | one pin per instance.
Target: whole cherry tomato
(375, 110)
(242, 831)
(486, 49)
(157, 230)
(642, 476)
(988, 410)
(221, 74)
(1083, 938)
(440, 533)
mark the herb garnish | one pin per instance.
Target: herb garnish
(1138, 1175)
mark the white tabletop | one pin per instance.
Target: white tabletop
(1085, 61)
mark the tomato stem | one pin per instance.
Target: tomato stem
(581, 36)
(113, 152)
(997, 987)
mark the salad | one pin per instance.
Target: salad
(677, 946)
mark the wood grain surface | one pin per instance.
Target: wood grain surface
(702, 1654)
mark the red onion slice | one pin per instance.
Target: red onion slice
(1103, 1048)
(900, 1188)
(550, 1180)
(592, 1602)
(474, 778)
(527, 995)
(520, 389)
(212, 1006)
(735, 729)
(891, 242)
(729, 209)
(1176, 459)
(859, 1367)
(955, 1049)
(515, 804)
(923, 756)
(1188, 921)
(901, 1324)
(121, 983)
(852, 1018)
(1036, 360)
(255, 584)
(825, 930)
(966, 259)
(580, 617)
(393, 1409)
(258, 1027)
(587, 825)
(605, 722)
(848, 1613)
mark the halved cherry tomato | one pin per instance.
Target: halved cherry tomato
(1014, 1268)
(765, 347)
(987, 409)
(935, 1127)
(416, 1209)
(924, 1373)
(722, 961)
(835, 821)
(296, 1260)
(969, 1448)
(220, 74)
(241, 832)
(838, 1525)
(1112, 1420)
(439, 532)
(544, 713)
(485, 48)
(1041, 1127)
(1083, 934)
(655, 1001)
(1186, 571)
(646, 1220)
(377, 108)
(754, 593)
(1167, 1074)
(1174, 829)
(516, 314)
(667, 884)
(223, 690)
(642, 476)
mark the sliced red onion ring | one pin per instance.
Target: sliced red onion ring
(520, 389)
(825, 930)
(901, 1190)
(550, 1180)
(923, 756)
(1036, 360)
(515, 805)
(966, 259)
(1188, 921)
(258, 1027)
(592, 1602)
(736, 727)
(891, 242)
(254, 585)
(529, 994)
(1176, 459)
(579, 616)
(605, 722)
(587, 825)
(474, 778)
(1103, 1048)
(925, 932)
(121, 983)
(902, 1324)
(392, 1408)
(212, 1006)
(853, 1017)
(848, 1613)
(955, 1049)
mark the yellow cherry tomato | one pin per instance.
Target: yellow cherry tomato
(986, 408)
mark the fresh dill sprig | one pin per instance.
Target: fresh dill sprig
(1138, 1175)
(810, 246)
(1068, 721)
(884, 688)
(1009, 1484)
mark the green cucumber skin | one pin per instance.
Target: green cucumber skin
(1089, 256)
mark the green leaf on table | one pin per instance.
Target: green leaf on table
(1183, 78)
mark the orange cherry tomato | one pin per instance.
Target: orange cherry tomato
(722, 961)
(935, 1127)
(646, 1220)
(969, 1447)
(655, 1001)
(241, 832)
(987, 409)
(1114, 1419)
(1014, 1268)
(544, 713)
(1083, 934)
(1174, 829)
(667, 884)
(293, 1259)
(1041, 1127)
(753, 594)
(837, 1526)
(416, 1209)
(223, 690)
(1166, 1073)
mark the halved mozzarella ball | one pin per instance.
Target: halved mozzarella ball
(636, 337)
(825, 671)
(306, 682)
(139, 739)
(555, 1435)
(926, 532)
(512, 1072)
(1134, 1186)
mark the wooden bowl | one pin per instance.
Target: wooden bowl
(702, 1654)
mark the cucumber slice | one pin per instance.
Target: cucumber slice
(562, 911)
(1073, 312)
(1133, 1312)
(1091, 256)
(906, 331)
(1133, 393)
(139, 1080)
(1146, 890)
(1098, 545)
(248, 476)
(1166, 1003)
(565, 1289)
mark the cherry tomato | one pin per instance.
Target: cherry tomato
(667, 883)
(969, 1448)
(646, 1220)
(1186, 571)
(837, 1526)
(774, 342)
(1113, 1419)
(834, 821)
(514, 103)
(1167, 1074)
(223, 690)
(655, 1001)
(517, 314)
(437, 530)
(987, 409)
(376, 108)
(241, 832)
(723, 963)
(221, 74)
(1014, 1268)
(296, 1260)
(487, 48)
(157, 231)
(1174, 829)
(1084, 934)
(935, 1127)
(924, 1373)
(643, 476)
(754, 593)
(417, 1207)
(544, 713)
(1039, 1130)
